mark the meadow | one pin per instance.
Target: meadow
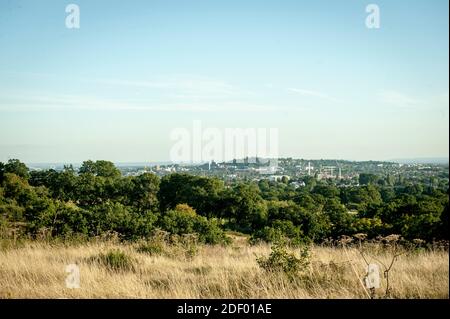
(111, 269)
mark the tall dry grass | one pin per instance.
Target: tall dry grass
(37, 270)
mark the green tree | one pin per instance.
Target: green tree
(201, 193)
(62, 185)
(443, 227)
(113, 216)
(339, 217)
(280, 230)
(366, 179)
(183, 219)
(326, 191)
(245, 208)
(15, 166)
(100, 168)
(141, 192)
(2, 172)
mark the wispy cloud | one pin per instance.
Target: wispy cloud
(310, 93)
(26, 101)
(174, 85)
(163, 93)
(182, 86)
(187, 93)
(399, 99)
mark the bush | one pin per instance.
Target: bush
(280, 230)
(209, 232)
(184, 220)
(280, 260)
(170, 245)
(128, 223)
(115, 260)
(152, 248)
(70, 220)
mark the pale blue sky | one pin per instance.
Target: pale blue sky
(135, 70)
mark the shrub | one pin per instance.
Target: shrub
(281, 230)
(209, 232)
(280, 260)
(152, 248)
(180, 220)
(115, 260)
(170, 245)
(128, 223)
(184, 220)
(68, 220)
(190, 251)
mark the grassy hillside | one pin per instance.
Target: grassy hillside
(109, 269)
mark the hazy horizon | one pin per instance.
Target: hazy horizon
(133, 72)
(424, 160)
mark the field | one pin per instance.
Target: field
(38, 270)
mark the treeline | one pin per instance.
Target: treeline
(97, 199)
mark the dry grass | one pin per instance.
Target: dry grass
(37, 270)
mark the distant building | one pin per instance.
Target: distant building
(267, 170)
(298, 184)
(277, 178)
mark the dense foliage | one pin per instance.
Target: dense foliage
(97, 199)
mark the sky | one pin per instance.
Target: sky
(135, 71)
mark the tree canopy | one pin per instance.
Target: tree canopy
(97, 199)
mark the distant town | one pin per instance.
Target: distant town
(294, 172)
